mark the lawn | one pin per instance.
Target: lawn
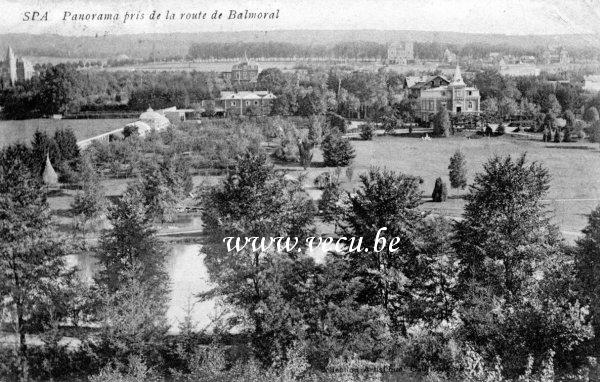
(22, 131)
(574, 167)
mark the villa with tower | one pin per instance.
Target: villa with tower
(454, 96)
(243, 72)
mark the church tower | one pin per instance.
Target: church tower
(10, 66)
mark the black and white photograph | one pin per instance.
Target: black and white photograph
(300, 191)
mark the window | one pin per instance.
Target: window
(459, 93)
(470, 105)
(256, 103)
(470, 93)
(232, 103)
(443, 93)
(247, 103)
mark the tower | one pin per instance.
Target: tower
(10, 66)
(457, 79)
(458, 91)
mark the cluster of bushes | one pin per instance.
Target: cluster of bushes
(61, 148)
(496, 295)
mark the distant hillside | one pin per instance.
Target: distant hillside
(177, 44)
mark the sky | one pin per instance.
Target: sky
(516, 17)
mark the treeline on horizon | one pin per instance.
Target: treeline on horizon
(165, 48)
(356, 49)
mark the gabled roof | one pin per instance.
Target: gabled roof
(421, 81)
(246, 95)
(413, 80)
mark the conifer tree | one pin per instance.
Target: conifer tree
(458, 170)
(32, 261)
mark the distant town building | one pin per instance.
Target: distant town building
(592, 83)
(456, 97)
(554, 55)
(400, 52)
(14, 69)
(243, 72)
(240, 103)
(520, 69)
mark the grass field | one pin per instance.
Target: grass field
(22, 131)
(574, 167)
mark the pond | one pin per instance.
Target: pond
(189, 276)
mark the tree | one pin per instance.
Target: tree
(315, 130)
(256, 201)
(330, 203)
(441, 123)
(396, 277)
(34, 273)
(305, 154)
(505, 227)
(587, 269)
(513, 267)
(90, 203)
(591, 114)
(163, 185)
(133, 283)
(551, 105)
(131, 245)
(43, 145)
(458, 170)
(490, 107)
(549, 121)
(132, 320)
(66, 143)
(59, 88)
(271, 79)
(440, 191)
(507, 107)
(337, 151)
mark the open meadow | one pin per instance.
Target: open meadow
(12, 131)
(574, 168)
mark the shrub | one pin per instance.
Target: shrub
(366, 131)
(591, 115)
(323, 180)
(558, 136)
(440, 191)
(337, 151)
(130, 130)
(501, 129)
(337, 123)
(594, 132)
(488, 131)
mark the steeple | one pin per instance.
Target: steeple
(457, 80)
(10, 55)
(11, 65)
(49, 176)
